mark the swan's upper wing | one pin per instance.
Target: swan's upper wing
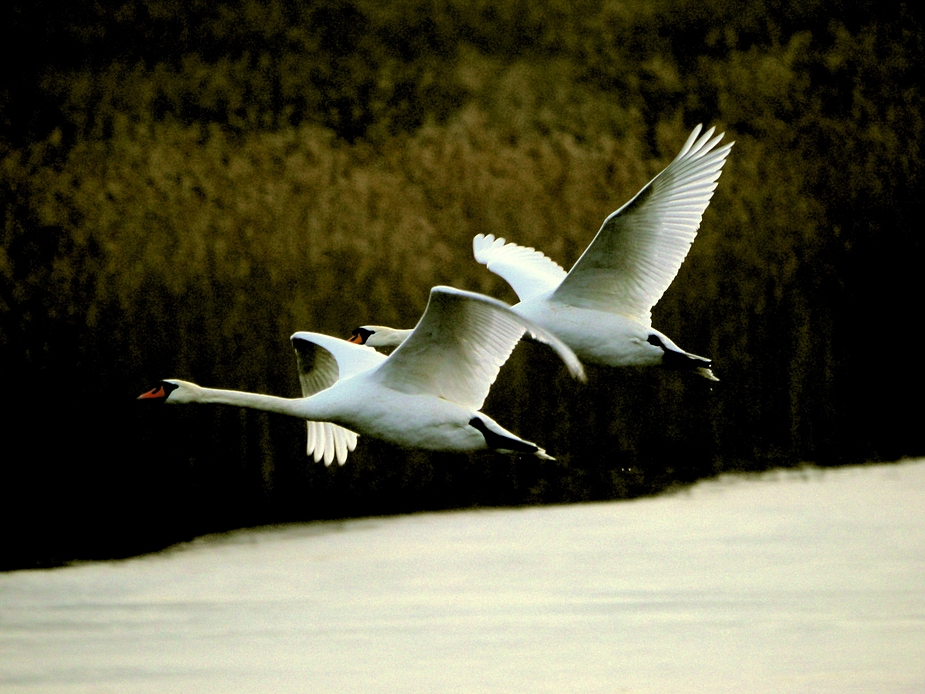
(640, 247)
(323, 360)
(459, 345)
(528, 271)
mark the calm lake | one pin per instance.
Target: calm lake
(799, 581)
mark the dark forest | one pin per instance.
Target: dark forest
(184, 185)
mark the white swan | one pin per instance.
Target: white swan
(602, 308)
(425, 395)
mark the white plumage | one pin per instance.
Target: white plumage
(425, 395)
(602, 308)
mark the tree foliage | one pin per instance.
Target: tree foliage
(186, 184)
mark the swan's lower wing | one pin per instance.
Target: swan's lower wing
(640, 247)
(529, 272)
(323, 360)
(330, 442)
(458, 347)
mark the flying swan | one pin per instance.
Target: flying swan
(602, 308)
(426, 394)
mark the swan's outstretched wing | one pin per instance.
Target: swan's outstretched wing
(322, 361)
(459, 345)
(640, 247)
(529, 272)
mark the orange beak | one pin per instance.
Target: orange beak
(153, 394)
(356, 339)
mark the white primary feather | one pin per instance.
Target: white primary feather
(322, 361)
(529, 272)
(640, 247)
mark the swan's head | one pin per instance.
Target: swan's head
(361, 335)
(378, 336)
(173, 391)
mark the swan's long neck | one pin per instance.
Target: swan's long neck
(255, 401)
(304, 408)
(387, 337)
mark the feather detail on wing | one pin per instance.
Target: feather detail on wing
(529, 272)
(640, 247)
(329, 442)
(459, 346)
(323, 360)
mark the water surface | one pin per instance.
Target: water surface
(786, 582)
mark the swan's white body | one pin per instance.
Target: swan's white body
(602, 308)
(599, 337)
(425, 395)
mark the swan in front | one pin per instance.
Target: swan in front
(602, 308)
(426, 394)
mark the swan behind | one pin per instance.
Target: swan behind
(602, 307)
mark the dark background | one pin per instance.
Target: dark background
(184, 185)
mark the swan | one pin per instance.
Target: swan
(426, 394)
(602, 308)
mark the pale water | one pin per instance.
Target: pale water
(805, 581)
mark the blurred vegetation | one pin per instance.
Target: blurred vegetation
(186, 184)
